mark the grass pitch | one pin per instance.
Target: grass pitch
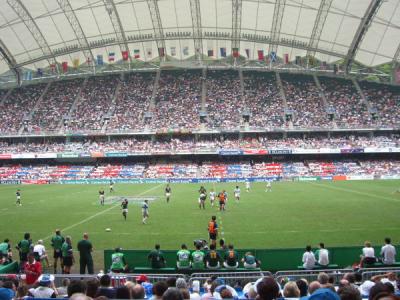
(292, 215)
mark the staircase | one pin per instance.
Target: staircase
(282, 92)
(360, 92)
(323, 97)
(155, 88)
(203, 89)
(110, 112)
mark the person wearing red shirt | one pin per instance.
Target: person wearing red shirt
(33, 269)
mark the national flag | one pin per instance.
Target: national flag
(185, 51)
(161, 52)
(28, 75)
(397, 75)
(210, 52)
(298, 60)
(100, 60)
(75, 63)
(272, 56)
(39, 72)
(149, 52)
(173, 51)
(88, 60)
(248, 53)
(53, 68)
(311, 61)
(111, 56)
(136, 53)
(286, 58)
(125, 55)
(223, 52)
(235, 52)
(64, 65)
(260, 54)
(324, 65)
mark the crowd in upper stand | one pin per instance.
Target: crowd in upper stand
(178, 103)
(132, 102)
(263, 99)
(302, 97)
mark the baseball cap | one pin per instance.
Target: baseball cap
(46, 279)
(142, 278)
(324, 294)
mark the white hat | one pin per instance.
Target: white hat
(366, 287)
(196, 286)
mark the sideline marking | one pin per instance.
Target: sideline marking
(100, 213)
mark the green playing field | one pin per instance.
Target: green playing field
(292, 215)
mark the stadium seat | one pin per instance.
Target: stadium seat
(331, 266)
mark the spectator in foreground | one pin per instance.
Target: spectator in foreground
(313, 286)
(45, 289)
(123, 292)
(105, 288)
(156, 258)
(137, 292)
(7, 291)
(195, 295)
(92, 286)
(76, 287)
(172, 294)
(159, 289)
(267, 289)
(388, 252)
(85, 249)
(291, 290)
(349, 293)
(302, 284)
(308, 259)
(33, 269)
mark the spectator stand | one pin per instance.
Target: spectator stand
(229, 278)
(310, 275)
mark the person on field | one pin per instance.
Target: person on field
(56, 242)
(213, 230)
(67, 255)
(85, 249)
(24, 247)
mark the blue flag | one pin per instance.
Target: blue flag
(272, 55)
(100, 60)
(223, 52)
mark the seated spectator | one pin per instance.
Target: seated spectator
(46, 288)
(324, 293)
(62, 290)
(323, 278)
(368, 255)
(33, 269)
(195, 294)
(172, 294)
(379, 290)
(137, 292)
(212, 258)
(183, 258)
(388, 253)
(267, 289)
(159, 289)
(105, 288)
(291, 290)
(7, 291)
(147, 285)
(313, 286)
(76, 287)
(118, 262)
(92, 286)
(322, 255)
(122, 292)
(308, 259)
(250, 261)
(302, 284)
(156, 258)
(197, 258)
(231, 259)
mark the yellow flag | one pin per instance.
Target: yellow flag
(75, 63)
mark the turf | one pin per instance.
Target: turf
(292, 215)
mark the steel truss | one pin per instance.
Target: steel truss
(12, 63)
(236, 22)
(157, 25)
(197, 31)
(276, 25)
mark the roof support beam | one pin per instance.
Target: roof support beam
(318, 26)
(34, 29)
(76, 26)
(196, 24)
(157, 25)
(276, 25)
(236, 22)
(360, 33)
(12, 63)
(117, 24)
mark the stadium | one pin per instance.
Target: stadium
(199, 149)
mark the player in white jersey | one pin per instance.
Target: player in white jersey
(236, 192)
(269, 187)
(212, 197)
(145, 211)
(247, 186)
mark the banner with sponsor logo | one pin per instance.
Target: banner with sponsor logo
(10, 181)
(279, 151)
(34, 181)
(116, 154)
(96, 154)
(360, 177)
(68, 155)
(5, 156)
(352, 150)
(255, 151)
(230, 152)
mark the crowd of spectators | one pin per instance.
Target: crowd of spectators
(178, 100)
(345, 102)
(17, 106)
(132, 102)
(189, 143)
(303, 99)
(94, 103)
(55, 104)
(263, 99)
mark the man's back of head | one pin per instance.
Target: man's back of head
(268, 288)
(105, 281)
(313, 286)
(323, 278)
(76, 286)
(138, 292)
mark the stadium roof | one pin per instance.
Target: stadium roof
(36, 33)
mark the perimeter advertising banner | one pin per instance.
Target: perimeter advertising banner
(230, 152)
(255, 152)
(5, 156)
(116, 154)
(279, 151)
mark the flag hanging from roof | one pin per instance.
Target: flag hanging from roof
(397, 75)
(298, 60)
(39, 72)
(235, 52)
(53, 68)
(210, 52)
(161, 52)
(111, 56)
(75, 63)
(100, 60)
(223, 52)
(64, 66)
(125, 55)
(186, 51)
(88, 60)
(260, 54)
(136, 53)
(149, 52)
(28, 75)
(173, 51)
(286, 58)
(248, 53)
(272, 56)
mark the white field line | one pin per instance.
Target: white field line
(100, 213)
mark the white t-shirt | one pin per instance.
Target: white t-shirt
(323, 257)
(389, 253)
(368, 252)
(308, 260)
(40, 249)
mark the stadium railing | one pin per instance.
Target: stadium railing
(370, 272)
(229, 278)
(310, 275)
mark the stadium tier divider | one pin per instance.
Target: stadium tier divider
(272, 260)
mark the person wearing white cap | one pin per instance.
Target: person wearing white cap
(40, 252)
(45, 289)
(195, 294)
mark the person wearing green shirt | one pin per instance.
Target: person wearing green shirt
(231, 258)
(118, 263)
(212, 258)
(156, 258)
(23, 248)
(67, 255)
(5, 251)
(198, 258)
(85, 249)
(56, 242)
(183, 258)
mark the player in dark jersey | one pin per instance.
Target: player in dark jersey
(168, 192)
(111, 186)
(202, 200)
(101, 196)
(202, 190)
(124, 206)
(18, 194)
